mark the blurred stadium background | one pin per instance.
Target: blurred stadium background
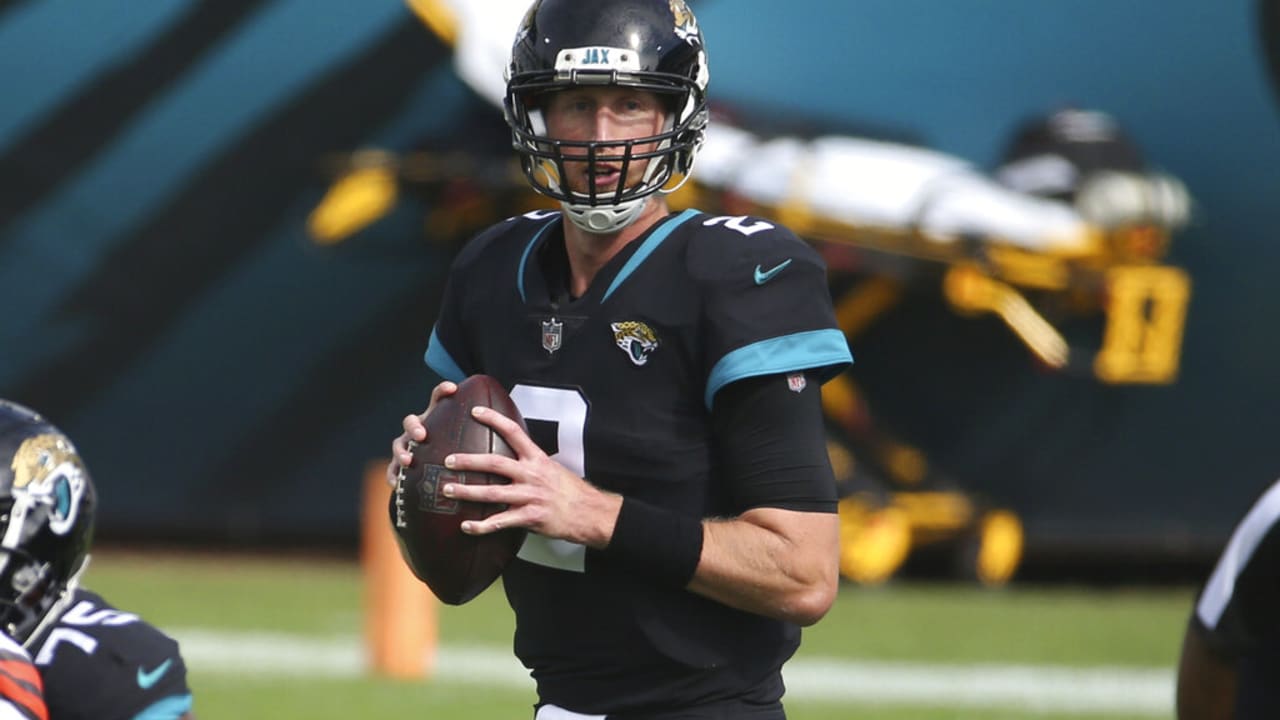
(229, 368)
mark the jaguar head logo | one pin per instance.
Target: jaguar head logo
(636, 339)
(48, 471)
(686, 25)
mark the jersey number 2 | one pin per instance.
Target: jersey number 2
(568, 410)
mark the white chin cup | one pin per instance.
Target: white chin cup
(604, 219)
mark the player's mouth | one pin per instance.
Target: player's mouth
(606, 176)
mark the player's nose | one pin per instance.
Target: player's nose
(606, 126)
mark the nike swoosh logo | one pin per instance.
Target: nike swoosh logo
(147, 679)
(764, 276)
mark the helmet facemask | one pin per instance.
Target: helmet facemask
(669, 154)
(35, 594)
(652, 46)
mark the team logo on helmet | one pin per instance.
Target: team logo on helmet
(686, 25)
(636, 339)
(47, 471)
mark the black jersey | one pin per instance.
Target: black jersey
(1238, 606)
(99, 662)
(618, 386)
(1237, 611)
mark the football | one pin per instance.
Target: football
(456, 566)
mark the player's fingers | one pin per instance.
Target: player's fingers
(415, 427)
(402, 450)
(510, 431)
(444, 389)
(488, 463)
(494, 523)
(511, 495)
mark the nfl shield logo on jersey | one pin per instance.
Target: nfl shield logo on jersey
(796, 382)
(552, 335)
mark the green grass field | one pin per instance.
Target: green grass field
(910, 629)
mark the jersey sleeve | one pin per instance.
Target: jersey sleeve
(450, 352)
(447, 349)
(772, 442)
(99, 662)
(766, 304)
(1236, 608)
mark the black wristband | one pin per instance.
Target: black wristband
(657, 541)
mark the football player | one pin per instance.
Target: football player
(1230, 666)
(95, 661)
(21, 693)
(674, 476)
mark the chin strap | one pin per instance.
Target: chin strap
(56, 609)
(605, 219)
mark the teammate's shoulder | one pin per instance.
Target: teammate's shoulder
(10, 648)
(126, 632)
(508, 237)
(83, 594)
(1262, 521)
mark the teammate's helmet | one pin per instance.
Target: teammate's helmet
(1086, 158)
(47, 503)
(652, 45)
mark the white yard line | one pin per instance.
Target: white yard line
(1033, 688)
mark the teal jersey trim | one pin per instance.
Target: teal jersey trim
(524, 258)
(650, 244)
(439, 360)
(170, 708)
(826, 349)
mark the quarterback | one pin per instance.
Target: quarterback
(674, 477)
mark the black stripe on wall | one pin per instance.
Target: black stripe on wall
(1269, 29)
(143, 288)
(36, 164)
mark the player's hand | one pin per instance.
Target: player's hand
(415, 432)
(544, 496)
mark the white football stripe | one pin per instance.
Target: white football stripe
(1033, 688)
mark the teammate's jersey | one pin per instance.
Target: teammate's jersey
(21, 697)
(617, 385)
(1239, 606)
(99, 662)
(1238, 611)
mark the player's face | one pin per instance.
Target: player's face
(604, 114)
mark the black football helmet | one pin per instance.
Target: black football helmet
(47, 504)
(651, 45)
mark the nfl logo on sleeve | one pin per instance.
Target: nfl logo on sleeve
(796, 382)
